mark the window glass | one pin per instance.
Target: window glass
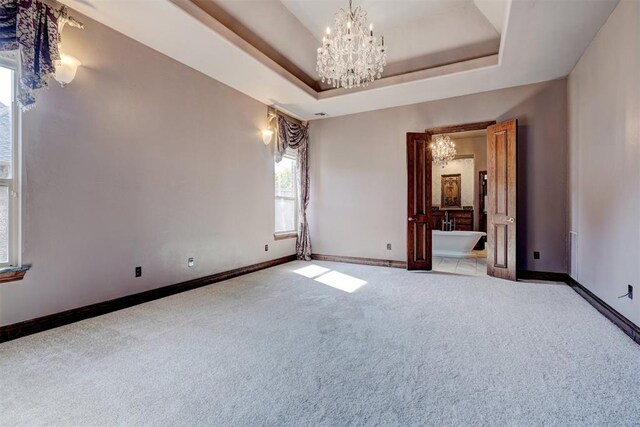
(285, 194)
(6, 138)
(4, 224)
(8, 184)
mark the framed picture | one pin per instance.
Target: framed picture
(450, 192)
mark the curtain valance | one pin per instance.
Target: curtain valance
(32, 29)
(290, 133)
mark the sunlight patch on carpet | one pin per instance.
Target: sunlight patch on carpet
(332, 278)
(311, 271)
(341, 281)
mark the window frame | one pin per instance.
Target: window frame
(290, 154)
(14, 183)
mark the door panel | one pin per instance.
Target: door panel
(501, 200)
(418, 201)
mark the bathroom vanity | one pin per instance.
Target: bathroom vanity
(463, 218)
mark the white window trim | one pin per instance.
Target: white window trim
(293, 155)
(14, 184)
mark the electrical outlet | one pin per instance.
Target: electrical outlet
(629, 293)
(388, 246)
(536, 255)
(190, 262)
(138, 271)
(266, 248)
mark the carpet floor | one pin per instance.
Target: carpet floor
(325, 343)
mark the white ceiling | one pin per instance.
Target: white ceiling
(316, 15)
(541, 40)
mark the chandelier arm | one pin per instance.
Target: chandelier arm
(353, 56)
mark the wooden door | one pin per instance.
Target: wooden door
(501, 200)
(419, 201)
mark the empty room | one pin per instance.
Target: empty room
(319, 212)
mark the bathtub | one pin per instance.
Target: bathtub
(457, 244)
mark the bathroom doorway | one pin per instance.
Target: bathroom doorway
(461, 199)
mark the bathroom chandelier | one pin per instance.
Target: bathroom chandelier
(351, 56)
(443, 150)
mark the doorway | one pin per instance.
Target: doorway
(452, 207)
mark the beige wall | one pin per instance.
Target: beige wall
(358, 172)
(139, 161)
(477, 146)
(604, 105)
(465, 168)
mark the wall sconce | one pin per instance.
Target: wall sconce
(66, 69)
(267, 134)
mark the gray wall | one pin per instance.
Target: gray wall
(358, 172)
(139, 161)
(604, 126)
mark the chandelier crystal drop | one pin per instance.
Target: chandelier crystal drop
(443, 150)
(350, 55)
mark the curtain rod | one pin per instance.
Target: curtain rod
(64, 14)
(71, 21)
(276, 112)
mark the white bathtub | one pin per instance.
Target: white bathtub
(457, 244)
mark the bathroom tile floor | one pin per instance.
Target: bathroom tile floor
(475, 266)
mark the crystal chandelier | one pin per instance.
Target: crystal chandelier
(443, 150)
(351, 56)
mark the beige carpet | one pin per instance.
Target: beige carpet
(332, 344)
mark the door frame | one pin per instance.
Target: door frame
(460, 128)
(482, 177)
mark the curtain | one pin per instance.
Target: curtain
(296, 136)
(37, 32)
(8, 18)
(31, 27)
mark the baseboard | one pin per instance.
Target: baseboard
(542, 275)
(627, 326)
(358, 260)
(28, 327)
(40, 324)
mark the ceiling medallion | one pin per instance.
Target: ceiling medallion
(443, 150)
(350, 55)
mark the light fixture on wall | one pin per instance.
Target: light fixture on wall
(66, 68)
(350, 55)
(443, 150)
(267, 134)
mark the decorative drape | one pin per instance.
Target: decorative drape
(296, 136)
(31, 27)
(8, 19)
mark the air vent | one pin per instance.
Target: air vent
(321, 114)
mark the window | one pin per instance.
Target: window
(9, 203)
(286, 194)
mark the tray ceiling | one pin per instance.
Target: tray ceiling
(436, 49)
(418, 34)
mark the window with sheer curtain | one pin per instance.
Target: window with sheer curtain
(286, 197)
